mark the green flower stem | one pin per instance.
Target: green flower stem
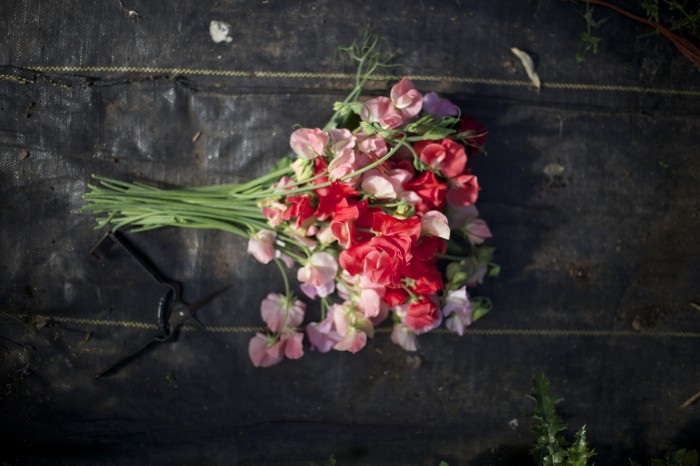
(287, 290)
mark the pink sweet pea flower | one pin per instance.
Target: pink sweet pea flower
(352, 327)
(323, 335)
(281, 312)
(262, 246)
(437, 107)
(308, 143)
(381, 110)
(292, 342)
(477, 231)
(463, 190)
(383, 185)
(403, 336)
(265, 351)
(434, 223)
(406, 99)
(341, 139)
(318, 275)
(272, 210)
(343, 164)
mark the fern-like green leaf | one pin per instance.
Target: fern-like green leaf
(548, 449)
(579, 453)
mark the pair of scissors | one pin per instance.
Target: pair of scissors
(172, 312)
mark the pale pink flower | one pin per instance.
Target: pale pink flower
(353, 328)
(322, 335)
(293, 348)
(434, 223)
(288, 261)
(467, 219)
(281, 312)
(457, 311)
(381, 110)
(318, 275)
(325, 235)
(437, 107)
(343, 164)
(265, 351)
(406, 99)
(373, 146)
(385, 185)
(477, 231)
(272, 210)
(308, 143)
(404, 337)
(262, 246)
(341, 139)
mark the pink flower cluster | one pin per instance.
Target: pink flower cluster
(370, 211)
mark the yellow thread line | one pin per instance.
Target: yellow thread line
(474, 332)
(311, 75)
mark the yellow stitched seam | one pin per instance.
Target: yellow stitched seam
(311, 75)
(473, 331)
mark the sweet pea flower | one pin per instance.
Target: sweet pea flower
(308, 143)
(293, 348)
(381, 110)
(445, 155)
(385, 185)
(322, 335)
(406, 99)
(265, 350)
(281, 312)
(341, 139)
(273, 211)
(318, 275)
(434, 223)
(403, 336)
(353, 327)
(262, 246)
(463, 190)
(422, 315)
(343, 164)
(437, 107)
(477, 231)
(457, 310)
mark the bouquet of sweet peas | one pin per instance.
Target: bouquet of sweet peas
(366, 209)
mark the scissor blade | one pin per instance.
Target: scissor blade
(129, 357)
(201, 302)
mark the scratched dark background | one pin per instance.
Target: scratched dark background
(591, 187)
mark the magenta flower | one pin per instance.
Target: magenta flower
(293, 348)
(318, 275)
(308, 143)
(437, 107)
(281, 312)
(262, 246)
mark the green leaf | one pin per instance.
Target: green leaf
(548, 449)
(480, 307)
(443, 463)
(579, 453)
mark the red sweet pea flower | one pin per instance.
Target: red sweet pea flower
(464, 190)
(300, 208)
(428, 247)
(422, 315)
(426, 277)
(431, 192)
(330, 197)
(380, 259)
(392, 226)
(447, 156)
(472, 132)
(395, 296)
